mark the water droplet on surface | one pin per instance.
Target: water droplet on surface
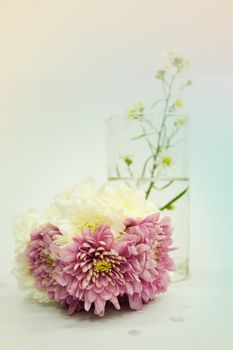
(134, 332)
(177, 319)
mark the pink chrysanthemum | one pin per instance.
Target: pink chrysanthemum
(41, 255)
(148, 242)
(45, 266)
(94, 270)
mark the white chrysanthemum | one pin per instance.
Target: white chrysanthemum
(24, 225)
(130, 201)
(85, 206)
(79, 207)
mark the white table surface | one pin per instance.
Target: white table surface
(193, 314)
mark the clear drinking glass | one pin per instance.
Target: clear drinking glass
(131, 151)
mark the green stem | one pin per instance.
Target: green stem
(130, 171)
(156, 103)
(165, 186)
(158, 148)
(149, 188)
(168, 141)
(144, 168)
(166, 206)
(118, 171)
(144, 131)
(151, 125)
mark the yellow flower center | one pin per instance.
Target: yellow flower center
(167, 161)
(44, 254)
(181, 121)
(50, 261)
(103, 266)
(153, 254)
(178, 103)
(91, 225)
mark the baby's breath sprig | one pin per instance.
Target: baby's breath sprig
(160, 139)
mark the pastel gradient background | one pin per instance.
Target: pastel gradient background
(67, 65)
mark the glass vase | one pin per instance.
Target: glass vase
(138, 156)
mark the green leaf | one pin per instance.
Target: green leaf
(169, 204)
(138, 137)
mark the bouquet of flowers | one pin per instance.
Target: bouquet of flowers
(93, 247)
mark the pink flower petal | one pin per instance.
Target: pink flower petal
(115, 302)
(99, 307)
(135, 302)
